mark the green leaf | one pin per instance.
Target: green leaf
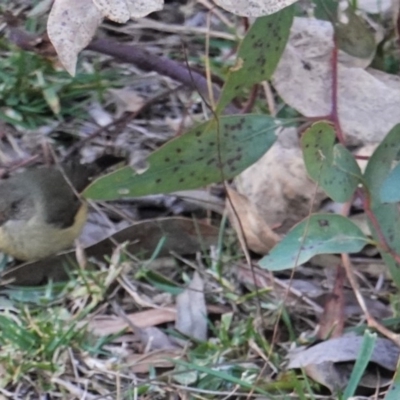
(354, 36)
(363, 359)
(387, 216)
(381, 163)
(318, 234)
(390, 189)
(216, 150)
(325, 9)
(258, 54)
(331, 165)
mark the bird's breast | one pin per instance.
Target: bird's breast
(34, 239)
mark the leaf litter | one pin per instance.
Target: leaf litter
(276, 200)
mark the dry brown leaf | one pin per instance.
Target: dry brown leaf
(115, 10)
(255, 8)
(139, 9)
(303, 79)
(153, 338)
(259, 236)
(326, 374)
(71, 26)
(141, 363)
(126, 99)
(278, 184)
(191, 307)
(104, 325)
(108, 324)
(326, 361)
(122, 10)
(73, 23)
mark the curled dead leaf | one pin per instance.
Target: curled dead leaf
(143, 363)
(71, 26)
(278, 185)
(330, 363)
(73, 23)
(259, 237)
(126, 99)
(191, 307)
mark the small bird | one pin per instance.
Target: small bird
(40, 213)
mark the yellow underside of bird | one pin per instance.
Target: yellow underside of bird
(32, 240)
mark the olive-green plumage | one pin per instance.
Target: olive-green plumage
(40, 214)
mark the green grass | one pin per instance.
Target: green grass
(42, 327)
(33, 92)
(44, 333)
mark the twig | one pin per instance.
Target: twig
(163, 65)
(372, 322)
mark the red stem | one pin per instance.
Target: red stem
(334, 111)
